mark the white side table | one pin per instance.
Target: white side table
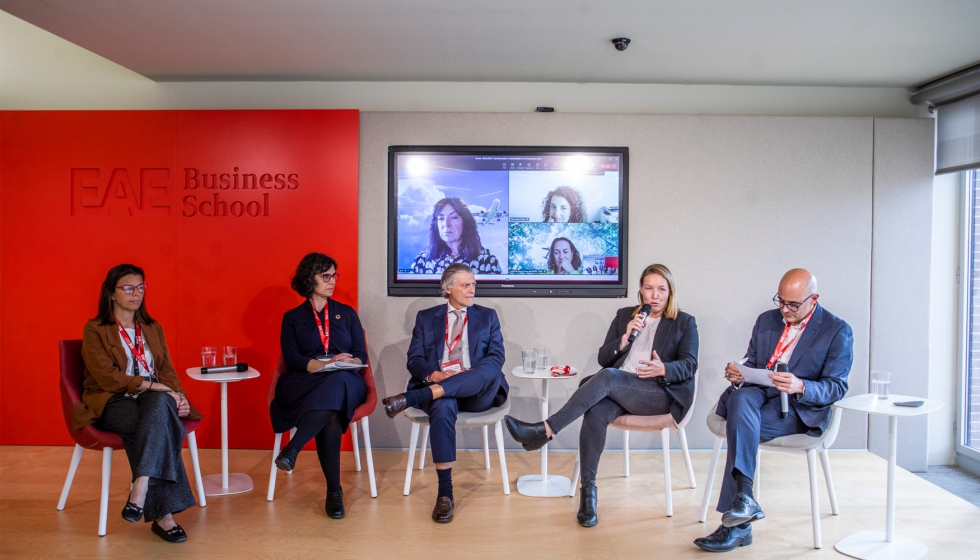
(878, 545)
(225, 483)
(543, 485)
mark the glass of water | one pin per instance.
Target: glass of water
(541, 357)
(527, 360)
(230, 355)
(209, 356)
(881, 383)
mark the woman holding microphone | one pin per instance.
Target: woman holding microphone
(319, 332)
(130, 388)
(649, 374)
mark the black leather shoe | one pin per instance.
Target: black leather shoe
(394, 405)
(532, 436)
(176, 534)
(335, 505)
(286, 459)
(586, 510)
(132, 512)
(726, 539)
(443, 512)
(744, 509)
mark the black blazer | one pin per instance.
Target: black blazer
(299, 337)
(676, 342)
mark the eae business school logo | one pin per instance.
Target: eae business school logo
(150, 191)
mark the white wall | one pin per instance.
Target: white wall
(943, 302)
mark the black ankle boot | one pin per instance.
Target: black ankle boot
(531, 436)
(586, 510)
(286, 459)
(335, 505)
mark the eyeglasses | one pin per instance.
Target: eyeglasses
(129, 288)
(791, 305)
(327, 277)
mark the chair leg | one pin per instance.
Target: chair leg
(626, 453)
(757, 481)
(425, 443)
(811, 463)
(711, 479)
(825, 461)
(292, 434)
(486, 447)
(665, 441)
(576, 472)
(413, 441)
(196, 463)
(76, 456)
(275, 470)
(366, 428)
(106, 477)
(687, 457)
(357, 452)
(498, 432)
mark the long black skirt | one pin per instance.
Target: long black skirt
(300, 392)
(153, 437)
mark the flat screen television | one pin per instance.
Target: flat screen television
(531, 221)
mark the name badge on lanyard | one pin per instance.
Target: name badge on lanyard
(138, 349)
(783, 344)
(323, 332)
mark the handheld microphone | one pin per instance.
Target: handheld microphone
(783, 397)
(239, 367)
(644, 311)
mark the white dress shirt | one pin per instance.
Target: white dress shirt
(464, 343)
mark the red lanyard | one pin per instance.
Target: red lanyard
(466, 317)
(780, 347)
(324, 332)
(137, 349)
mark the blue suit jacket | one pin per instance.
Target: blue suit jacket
(429, 338)
(822, 359)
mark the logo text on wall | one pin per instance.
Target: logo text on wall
(101, 191)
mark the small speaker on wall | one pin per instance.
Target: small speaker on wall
(545, 109)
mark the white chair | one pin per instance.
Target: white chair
(494, 416)
(664, 424)
(796, 443)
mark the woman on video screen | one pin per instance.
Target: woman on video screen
(564, 205)
(564, 258)
(453, 238)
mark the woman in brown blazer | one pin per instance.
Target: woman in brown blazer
(130, 388)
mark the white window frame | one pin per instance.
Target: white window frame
(966, 457)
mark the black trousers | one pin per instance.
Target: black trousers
(603, 398)
(153, 437)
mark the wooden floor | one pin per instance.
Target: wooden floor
(488, 524)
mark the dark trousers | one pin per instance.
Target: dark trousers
(752, 413)
(153, 437)
(475, 390)
(602, 398)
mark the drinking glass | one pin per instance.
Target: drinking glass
(880, 384)
(230, 355)
(209, 356)
(541, 357)
(527, 360)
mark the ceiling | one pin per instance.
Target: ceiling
(873, 43)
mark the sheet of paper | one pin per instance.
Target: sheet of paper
(756, 376)
(340, 365)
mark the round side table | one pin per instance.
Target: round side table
(543, 485)
(225, 483)
(878, 545)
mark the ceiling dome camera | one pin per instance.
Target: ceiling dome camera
(621, 43)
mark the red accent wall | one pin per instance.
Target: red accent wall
(82, 191)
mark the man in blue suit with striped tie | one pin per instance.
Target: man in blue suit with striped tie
(455, 359)
(817, 349)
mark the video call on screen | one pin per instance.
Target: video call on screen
(513, 218)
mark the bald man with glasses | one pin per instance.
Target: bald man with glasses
(816, 348)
